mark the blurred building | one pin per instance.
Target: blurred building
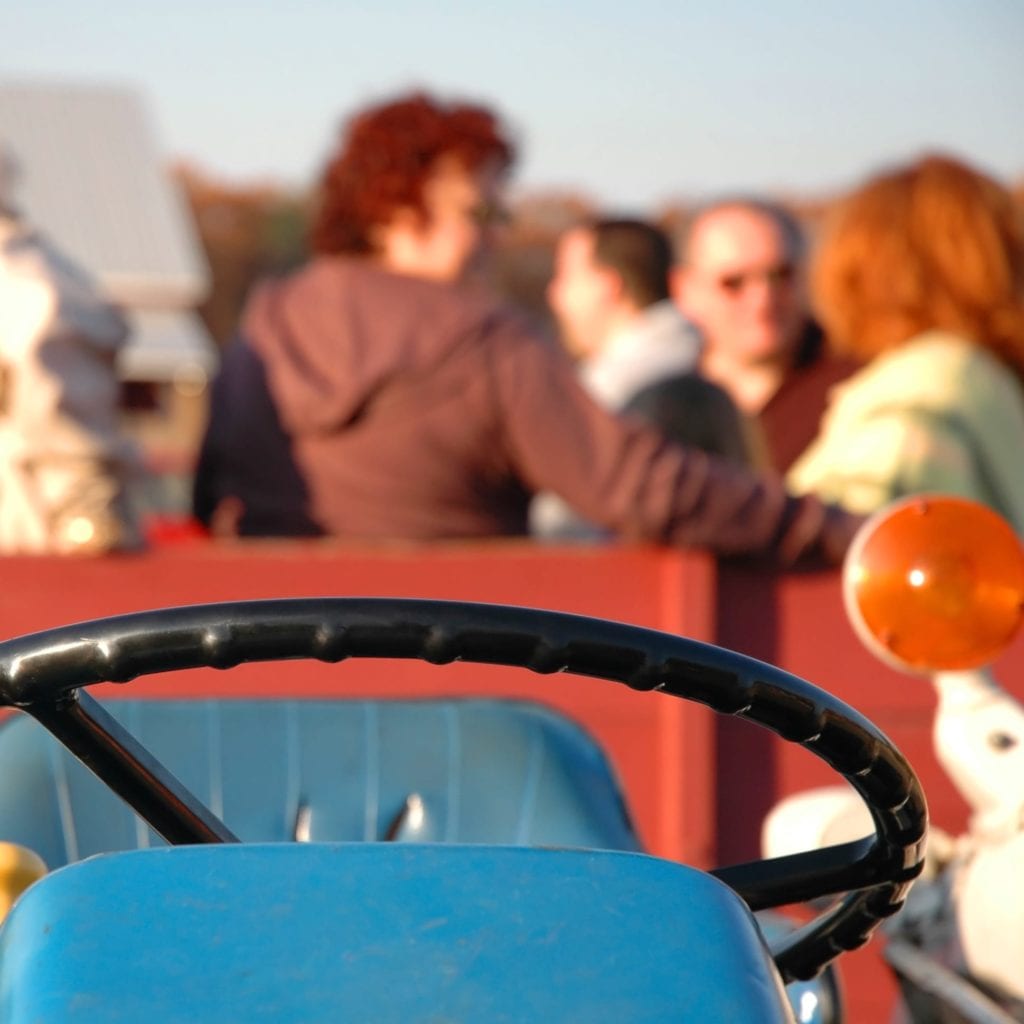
(92, 178)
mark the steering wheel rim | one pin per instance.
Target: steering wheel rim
(43, 674)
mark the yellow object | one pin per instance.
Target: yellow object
(19, 868)
(935, 582)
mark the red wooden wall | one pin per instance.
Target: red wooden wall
(698, 785)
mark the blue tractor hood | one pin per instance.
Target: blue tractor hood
(382, 932)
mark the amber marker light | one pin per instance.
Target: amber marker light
(935, 582)
(19, 868)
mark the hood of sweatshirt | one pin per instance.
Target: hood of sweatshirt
(337, 331)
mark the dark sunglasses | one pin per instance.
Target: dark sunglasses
(780, 274)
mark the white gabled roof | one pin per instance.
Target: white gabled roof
(92, 179)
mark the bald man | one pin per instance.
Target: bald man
(740, 279)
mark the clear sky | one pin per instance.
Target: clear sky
(633, 103)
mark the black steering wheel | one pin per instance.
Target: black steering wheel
(45, 673)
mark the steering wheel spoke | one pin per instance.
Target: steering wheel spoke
(117, 758)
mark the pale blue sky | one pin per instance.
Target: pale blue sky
(633, 102)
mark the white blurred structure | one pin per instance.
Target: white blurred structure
(90, 176)
(81, 164)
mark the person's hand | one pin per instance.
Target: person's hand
(838, 532)
(227, 517)
(814, 528)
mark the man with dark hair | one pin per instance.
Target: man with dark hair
(740, 280)
(634, 351)
(610, 295)
(639, 253)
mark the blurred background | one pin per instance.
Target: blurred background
(173, 149)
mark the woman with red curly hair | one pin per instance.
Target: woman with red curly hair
(412, 195)
(409, 165)
(376, 394)
(921, 275)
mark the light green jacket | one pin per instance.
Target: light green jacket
(937, 414)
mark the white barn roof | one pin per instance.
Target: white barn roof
(91, 178)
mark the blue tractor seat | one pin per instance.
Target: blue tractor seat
(392, 934)
(452, 771)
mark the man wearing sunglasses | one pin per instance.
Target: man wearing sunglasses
(740, 279)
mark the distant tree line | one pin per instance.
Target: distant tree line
(248, 232)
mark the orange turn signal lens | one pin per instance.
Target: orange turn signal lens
(936, 583)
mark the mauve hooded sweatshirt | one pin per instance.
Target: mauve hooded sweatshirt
(420, 410)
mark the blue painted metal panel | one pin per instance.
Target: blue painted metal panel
(322, 933)
(487, 771)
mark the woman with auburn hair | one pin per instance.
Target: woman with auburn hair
(406, 208)
(373, 394)
(920, 273)
(393, 161)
